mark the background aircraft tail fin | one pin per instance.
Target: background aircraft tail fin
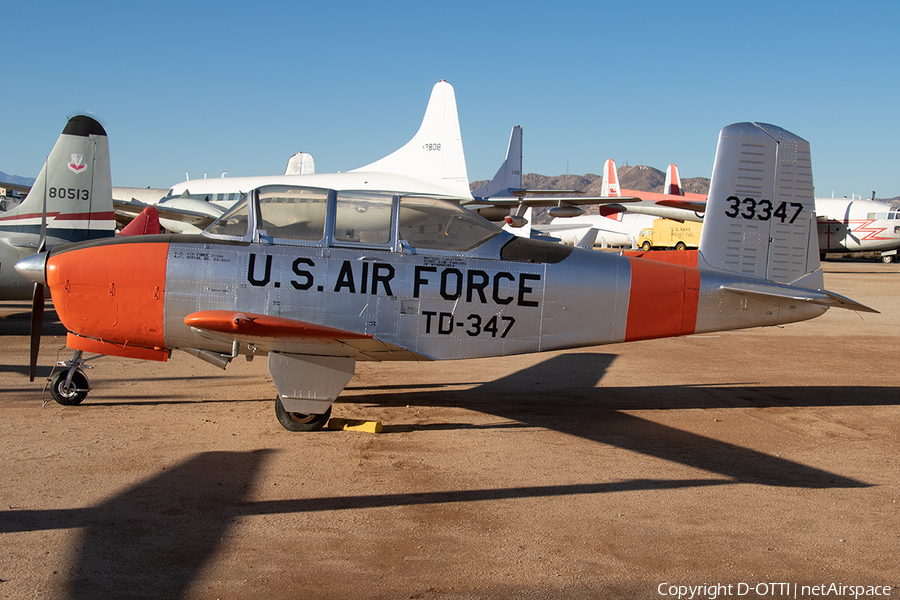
(610, 185)
(301, 163)
(435, 153)
(672, 186)
(146, 223)
(760, 217)
(77, 185)
(509, 175)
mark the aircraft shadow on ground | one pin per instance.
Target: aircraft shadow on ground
(563, 397)
(153, 539)
(19, 323)
(40, 373)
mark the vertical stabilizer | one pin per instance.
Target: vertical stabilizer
(672, 186)
(301, 163)
(77, 185)
(760, 217)
(509, 175)
(610, 185)
(435, 153)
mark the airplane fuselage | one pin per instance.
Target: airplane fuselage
(857, 225)
(531, 297)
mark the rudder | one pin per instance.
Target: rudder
(760, 217)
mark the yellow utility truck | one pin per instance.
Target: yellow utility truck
(668, 234)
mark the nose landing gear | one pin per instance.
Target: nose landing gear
(70, 386)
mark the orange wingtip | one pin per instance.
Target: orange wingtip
(267, 326)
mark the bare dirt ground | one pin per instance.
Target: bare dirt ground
(751, 457)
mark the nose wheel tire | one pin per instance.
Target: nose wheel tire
(300, 421)
(77, 391)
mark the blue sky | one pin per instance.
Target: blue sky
(239, 87)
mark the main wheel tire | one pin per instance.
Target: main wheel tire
(888, 259)
(299, 421)
(77, 391)
(680, 246)
(646, 246)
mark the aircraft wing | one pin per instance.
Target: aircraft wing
(562, 200)
(126, 210)
(292, 336)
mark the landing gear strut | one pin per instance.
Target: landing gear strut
(70, 386)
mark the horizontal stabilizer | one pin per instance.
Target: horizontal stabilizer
(821, 297)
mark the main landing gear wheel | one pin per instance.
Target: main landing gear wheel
(299, 421)
(888, 259)
(77, 391)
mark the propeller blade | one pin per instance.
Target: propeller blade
(37, 320)
(37, 299)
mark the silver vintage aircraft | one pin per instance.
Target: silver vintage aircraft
(72, 190)
(317, 279)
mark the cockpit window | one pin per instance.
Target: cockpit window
(293, 213)
(234, 223)
(363, 218)
(433, 224)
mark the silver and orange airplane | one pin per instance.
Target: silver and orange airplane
(317, 279)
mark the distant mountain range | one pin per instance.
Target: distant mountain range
(15, 179)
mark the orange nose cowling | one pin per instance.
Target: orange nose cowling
(114, 293)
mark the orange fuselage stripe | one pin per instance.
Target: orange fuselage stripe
(662, 301)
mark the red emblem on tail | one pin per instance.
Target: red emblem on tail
(76, 164)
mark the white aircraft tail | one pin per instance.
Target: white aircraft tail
(435, 153)
(509, 175)
(672, 186)
(760, 218)
(77, 187)
(301, 163)
(610, 185)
